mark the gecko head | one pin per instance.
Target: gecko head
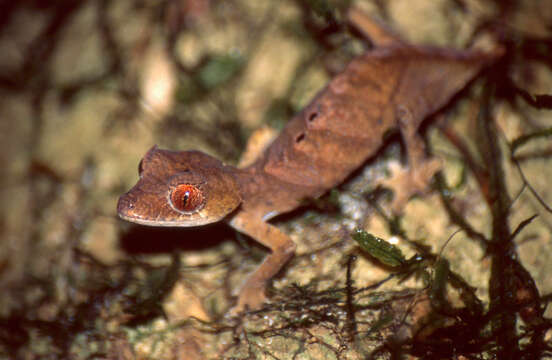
(180, 188)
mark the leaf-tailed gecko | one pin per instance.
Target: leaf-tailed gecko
(393, 86)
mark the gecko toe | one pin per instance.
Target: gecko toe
(407, 182)
(249, 300)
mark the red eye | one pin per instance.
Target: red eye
(187, 198)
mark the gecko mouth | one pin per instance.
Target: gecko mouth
(126, 211)
(141, 221)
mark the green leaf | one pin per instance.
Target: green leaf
(219, 69)
(439, 284)
(379, 248)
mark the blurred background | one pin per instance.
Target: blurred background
(88, 86)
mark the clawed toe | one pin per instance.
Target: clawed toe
(248, 301)
(407, 182)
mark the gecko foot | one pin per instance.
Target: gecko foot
(406, 182)
(250, 298)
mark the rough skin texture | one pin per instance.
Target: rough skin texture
(393, 87)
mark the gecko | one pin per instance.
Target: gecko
(392, 87)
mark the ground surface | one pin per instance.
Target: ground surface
(89, 86)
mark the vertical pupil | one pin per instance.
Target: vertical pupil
(185, 198)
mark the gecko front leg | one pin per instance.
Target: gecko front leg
(252, 294)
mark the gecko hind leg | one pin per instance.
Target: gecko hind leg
(415, 177)
(372, 30)
(252, 294)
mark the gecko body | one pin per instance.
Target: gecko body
(392, 87)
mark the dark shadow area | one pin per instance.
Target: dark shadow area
(140, 239)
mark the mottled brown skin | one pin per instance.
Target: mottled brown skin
(395, 86)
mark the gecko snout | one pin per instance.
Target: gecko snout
(125, 206)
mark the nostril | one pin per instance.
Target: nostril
(125, 204)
